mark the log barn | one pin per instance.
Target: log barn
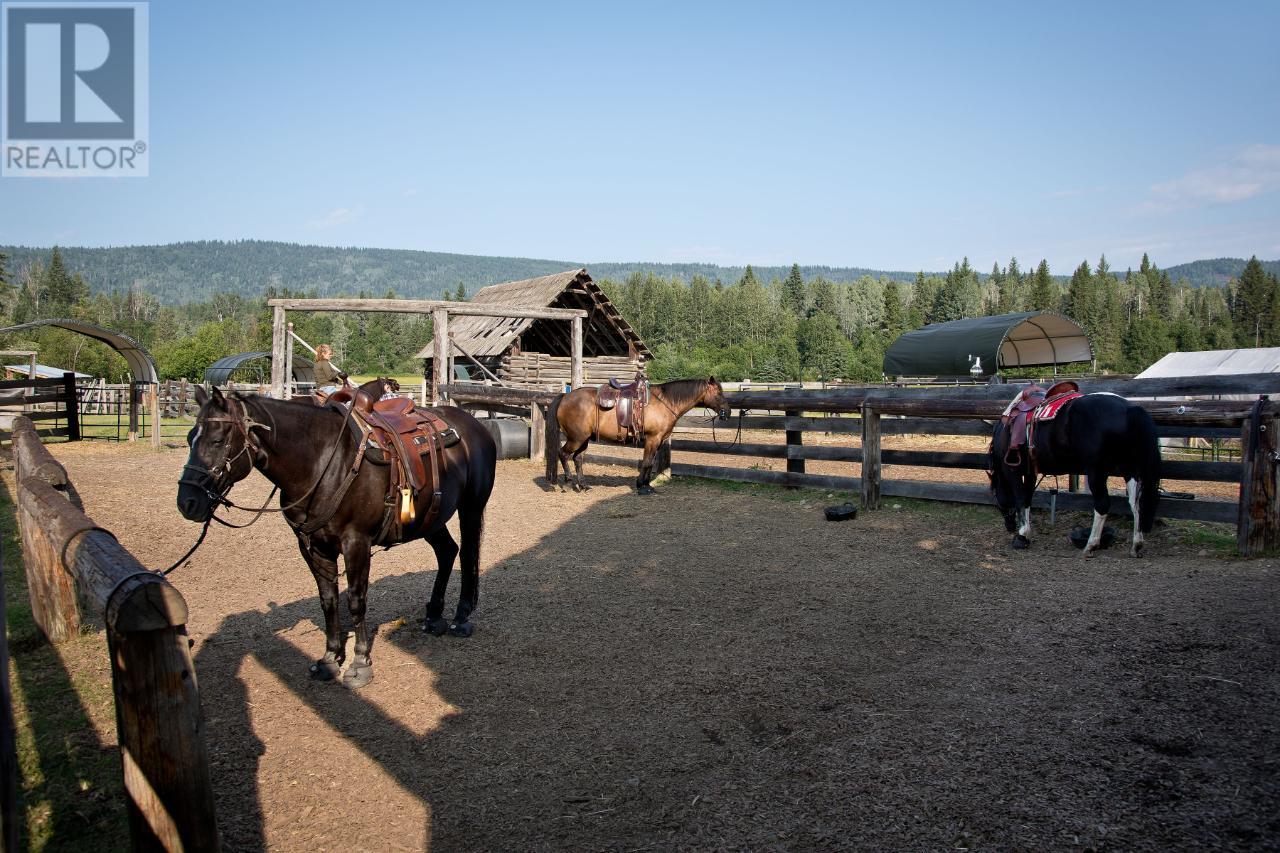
(535, 353)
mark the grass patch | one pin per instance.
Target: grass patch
(71, 791)
(1217, 540)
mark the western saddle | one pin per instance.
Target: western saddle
(1032, 404)
(628, 400)
(411, 440)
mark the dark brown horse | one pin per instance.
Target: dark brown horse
(309, 453)
(581, 419)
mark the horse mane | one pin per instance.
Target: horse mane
(682, 391)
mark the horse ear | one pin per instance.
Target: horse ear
(202, 396)
(711, 380)
(217, 398)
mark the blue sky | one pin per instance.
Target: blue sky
(892, 136)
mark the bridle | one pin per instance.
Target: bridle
(205, 478)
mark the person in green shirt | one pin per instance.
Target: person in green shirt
(328, 377)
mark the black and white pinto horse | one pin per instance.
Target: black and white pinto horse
(1098, 435)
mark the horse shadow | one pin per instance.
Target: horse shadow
(524, 728)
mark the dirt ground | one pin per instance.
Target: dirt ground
(720, 668)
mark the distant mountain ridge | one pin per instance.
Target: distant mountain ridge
(179, 273)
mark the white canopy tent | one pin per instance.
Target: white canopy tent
(1217, 362)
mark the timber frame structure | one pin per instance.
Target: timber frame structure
(440, 310)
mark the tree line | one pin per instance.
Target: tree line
(790, 328)
(785, 329)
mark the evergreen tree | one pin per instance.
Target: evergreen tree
(63, 292)
(1044, 293)
(1082, 303)
(826, 299)
(460, 295)
(892, 317)
(793, 292)
(1011, 288)
(1252, 309)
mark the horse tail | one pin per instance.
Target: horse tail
(1143, 429)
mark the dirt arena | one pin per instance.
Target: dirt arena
(721, 668)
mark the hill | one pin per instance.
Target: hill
(181, 273)
(1217, 271)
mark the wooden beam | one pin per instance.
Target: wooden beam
(576, 353)
(1258, 521)
(425, 306)
(440, 362)
(157, 423)
(278, 328)
(870, 458)
(537, 431)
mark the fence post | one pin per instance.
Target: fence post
(870, 457)
(160, 728)
(157, 421)
(537, 431)
(158, 717)
(133, 410)
(73, 406)
(552, 443)
(1258, 525)
(795, 438)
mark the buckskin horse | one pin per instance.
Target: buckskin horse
(337, 493)
(1097, 435)
(581, 417)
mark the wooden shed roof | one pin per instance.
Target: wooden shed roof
(605, 332)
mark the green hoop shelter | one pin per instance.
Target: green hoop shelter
(141, 365)
(982, 346)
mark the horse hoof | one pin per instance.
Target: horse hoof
(645, 490)
(1021, 542)
(461, 629)
(325, 669)
(1135, 551)
(357, 675)
(436, 626)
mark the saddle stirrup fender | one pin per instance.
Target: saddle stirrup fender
(411, 440)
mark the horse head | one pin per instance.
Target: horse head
(713, 398)
(222, 453)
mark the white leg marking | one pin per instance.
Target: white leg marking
(1095, 535)
(1025, 529)
(1131, 486)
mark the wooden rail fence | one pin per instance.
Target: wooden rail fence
(158, 716)
(868, 413)
(43, 400)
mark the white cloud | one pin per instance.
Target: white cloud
(1252, 171)
(336, 217)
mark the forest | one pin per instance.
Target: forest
(783, 327)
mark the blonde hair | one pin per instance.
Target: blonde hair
(324, 351)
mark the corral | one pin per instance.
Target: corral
(718, 667)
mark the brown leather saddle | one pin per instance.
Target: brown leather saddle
(628, 401)
(1020, 414)
(411, 440)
